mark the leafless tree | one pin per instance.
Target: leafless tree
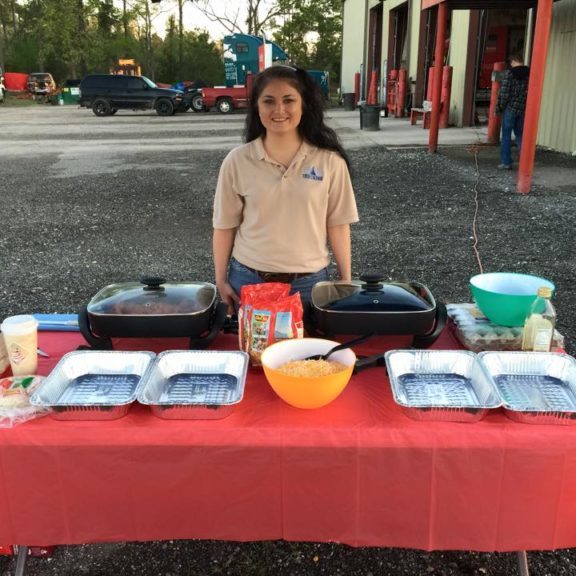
(251, 16)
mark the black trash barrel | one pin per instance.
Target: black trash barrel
(348, 100)
(369, 117)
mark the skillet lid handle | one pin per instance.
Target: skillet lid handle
(372, 282)
(153, 282)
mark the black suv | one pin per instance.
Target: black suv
(107, 93)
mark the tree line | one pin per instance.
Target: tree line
(71, 38)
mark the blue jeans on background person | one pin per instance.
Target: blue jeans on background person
(511, 122)
(239, 275)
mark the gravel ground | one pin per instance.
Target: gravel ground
(75, 223)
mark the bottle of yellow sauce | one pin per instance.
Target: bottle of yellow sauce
(540, 322)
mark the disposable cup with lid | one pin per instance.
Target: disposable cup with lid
(21, 338)
(21, 324)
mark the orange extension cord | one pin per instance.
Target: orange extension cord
(475, 149)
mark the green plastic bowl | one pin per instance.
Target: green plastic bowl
(505, 297)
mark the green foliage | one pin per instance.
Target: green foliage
(70, 38)
(202, 59)
(168, 69)
(20, 54)
(311, 32)
(107, 17)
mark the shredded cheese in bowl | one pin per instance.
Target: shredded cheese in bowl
(311, 368)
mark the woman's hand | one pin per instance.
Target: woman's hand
(228, 296)
(222, 243)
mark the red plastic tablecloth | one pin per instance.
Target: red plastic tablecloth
(357, 471)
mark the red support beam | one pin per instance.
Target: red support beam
(439, 53)
(445, 96)
(426, 4)
(494, 122)
(535, 86)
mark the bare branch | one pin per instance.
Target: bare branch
(254, 22)
(227, 21)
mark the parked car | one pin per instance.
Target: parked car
(105, 94)
(41, 85)
(194, 100)
(228, 98)
(225, 99)
(192, 95)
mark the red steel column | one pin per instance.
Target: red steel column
(372, 98)
(402, 86)
(356, 88)
(445, 97)
(535, 87)
(493, 120)
(438, 66)
(392, 88)
(430, 87)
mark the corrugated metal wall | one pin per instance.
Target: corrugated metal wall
(557, 126)
(353, 36)
(458, 56)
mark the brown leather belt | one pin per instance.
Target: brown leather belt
(283, 277)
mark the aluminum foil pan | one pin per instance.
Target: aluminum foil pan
(195, 384)
(535, 387)
(448, 385)
(91, 385)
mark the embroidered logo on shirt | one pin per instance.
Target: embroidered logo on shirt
(313, 174)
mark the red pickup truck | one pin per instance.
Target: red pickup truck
(225, 99)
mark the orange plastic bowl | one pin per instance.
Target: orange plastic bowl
(303, 392)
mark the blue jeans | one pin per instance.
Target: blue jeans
(239, 275)
(511, 122)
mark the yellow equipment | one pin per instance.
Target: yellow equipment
(127, 68)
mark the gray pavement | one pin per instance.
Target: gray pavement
(83, 132)
(88, 201)
(397, 132)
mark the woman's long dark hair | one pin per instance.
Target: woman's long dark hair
(312, 127)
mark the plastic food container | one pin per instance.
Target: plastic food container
(187, 385)
(535, 387)
(475, 332)
(447, 385)
(93, 385)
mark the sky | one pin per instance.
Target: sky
(193, 17)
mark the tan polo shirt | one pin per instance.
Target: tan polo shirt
(282, 214)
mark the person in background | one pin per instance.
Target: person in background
(286, 194)
(512, 105)
(2, 87)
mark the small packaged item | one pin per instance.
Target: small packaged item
(15, 407)
(476, 333)
(540, 322)
(268, 313)
(4, 361)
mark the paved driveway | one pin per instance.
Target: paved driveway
(87, 201)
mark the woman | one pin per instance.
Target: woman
(284, 194)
